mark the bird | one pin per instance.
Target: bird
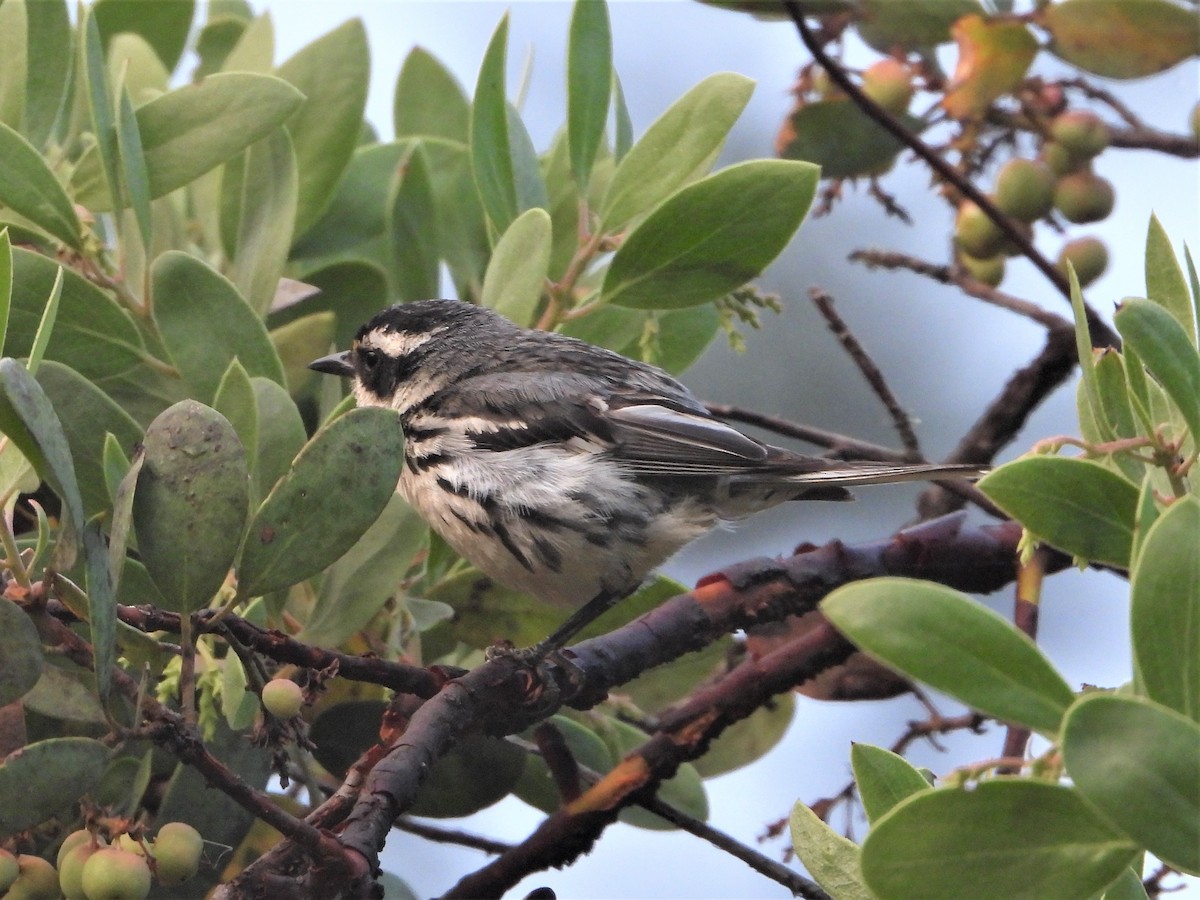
(562, 469)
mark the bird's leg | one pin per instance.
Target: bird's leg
(574, 623)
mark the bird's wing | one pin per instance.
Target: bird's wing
(657, 439)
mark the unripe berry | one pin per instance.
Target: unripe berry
(37, 880)
(1084, 197)
(889, 83)
(70, 868)
(1059, 159)
(73, 840)
(282, 697)
(975, 233)
(177, 852)
(113, 874)
(9, 869)
(1025, 189)
(1081, 132)
(989, 271)
(1088, 255)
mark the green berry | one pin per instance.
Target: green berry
(177, 852)
(282, 697)
(38, 880)
(9, 869)
(1083, 133)
(989, 270)
(70, 868)
(114, 874)
(1025, 189)
(975, 233)
(889, 83)
(1087, 255)
(1059, 159)
(1084, 197)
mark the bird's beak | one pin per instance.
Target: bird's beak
(334, 364)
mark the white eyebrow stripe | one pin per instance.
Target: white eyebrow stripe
(398, 344)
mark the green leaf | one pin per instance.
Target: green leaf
(886, 25)
(46, 80)
(1167, 351)
(133, 62)
(884, 779)
(369, 575)
(268, 206)
(6, 286)
(1165, 609)
(301, 341)
(1075, 504)
(537, 787)
(412, 227)
(133, 162)
(1165, 283)
(831, 859)
(353, 291)
(29, 188)
(164, 25)
(190, 503)
(337, 487)
(1008, 839)
(842, 139)
(937, 635)
(234, 399)
(280, 434)
(1119, 39)
(712, 236)
(428, 101)
(748, 739)
(239, 705)
(491, 157)
(87, 415)
(47, 776)
(205, 324)
(332, 73)
(255, 48)
(21, 652)
(478, 772)
(100, 106)
(685, 790)
(28, 419)
(122, 515)
(195, 128)
(516, 275)
(62, 695)
(102, 610)
(623, 125)
(589, 81)
(675, 147)
(45, 325)
(682, 335)
(1137, 762)
(92, 334)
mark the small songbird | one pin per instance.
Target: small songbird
(565, 470)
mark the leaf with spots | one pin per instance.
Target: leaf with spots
(336, 488)
(190, 503)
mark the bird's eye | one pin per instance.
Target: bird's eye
(369, 359)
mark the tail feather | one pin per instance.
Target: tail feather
(852, 473)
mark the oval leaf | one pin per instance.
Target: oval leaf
(589, 80)
(428, 101)
(842, 139)
(831, 859)
(1077, 505)
(1165, 609)
(1167, 351)
(1139, 764)
(190, 503)
(267, 209)
(337, 487)
(711, 237)
(28, 187)
(205, 324)
(517, 271)
(1006, 839)
(675, 147)
(939, 636)
(20, 653)
(42, 779)
(1119, 39)
(884, 779)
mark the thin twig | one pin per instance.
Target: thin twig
(870, 371)
(452, 836)
(890, 259)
